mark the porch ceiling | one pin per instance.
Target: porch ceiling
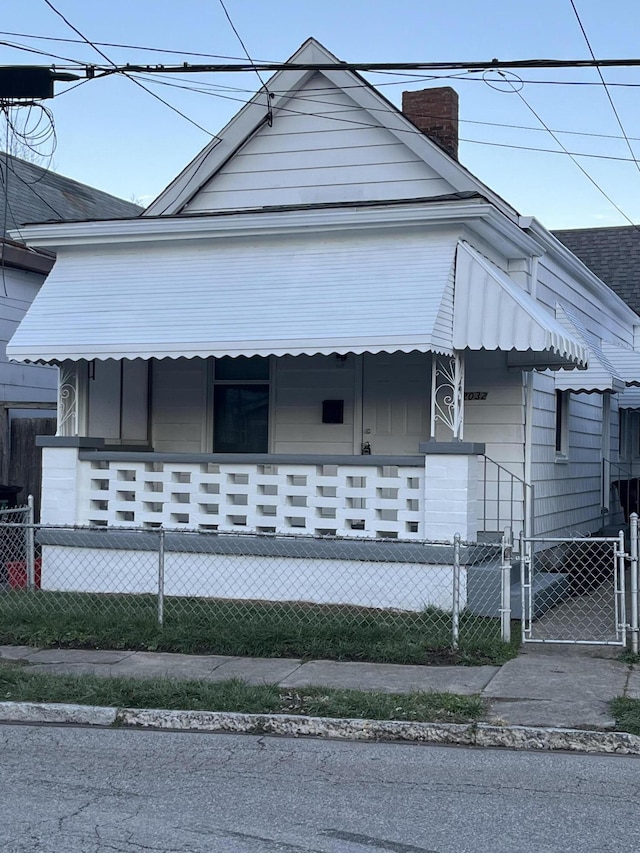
(491, 312)
(324, 293)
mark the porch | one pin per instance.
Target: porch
(385, 497)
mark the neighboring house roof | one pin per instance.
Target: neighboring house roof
(31, 193)
(613, 254)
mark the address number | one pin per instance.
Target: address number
(476, 395)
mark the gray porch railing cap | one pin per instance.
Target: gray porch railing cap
(103, 454)
(82, 441)
(452, 448)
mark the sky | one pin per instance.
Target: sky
(114, 135)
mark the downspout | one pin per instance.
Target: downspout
(528, 391)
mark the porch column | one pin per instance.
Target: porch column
(451, 489)
(68, 399)
(447, 395)
(63, 491)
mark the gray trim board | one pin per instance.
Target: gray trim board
(383, 551)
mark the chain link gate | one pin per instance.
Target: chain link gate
(574, 590)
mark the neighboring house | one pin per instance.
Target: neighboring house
(324, 326)
(30, 193)
(613, 254)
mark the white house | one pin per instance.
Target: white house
(326, 325)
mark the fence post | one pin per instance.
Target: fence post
(525, 578)
(161, 579)
(455, 606)
(30, 546)
(505, 590)
(633, 552)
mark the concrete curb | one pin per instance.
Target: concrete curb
(474, 734)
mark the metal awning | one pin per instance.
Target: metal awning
(626, 361)
(602, 373)
(491, 312)
(381, 291)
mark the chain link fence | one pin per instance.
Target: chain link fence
(262, 595)
(576, 590)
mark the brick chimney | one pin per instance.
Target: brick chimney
(435, 113)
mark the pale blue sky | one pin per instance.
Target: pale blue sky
(117, 137)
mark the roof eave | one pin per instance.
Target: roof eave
(479, 215)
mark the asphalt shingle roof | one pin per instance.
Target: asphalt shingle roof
(613, 254)
(30, 193)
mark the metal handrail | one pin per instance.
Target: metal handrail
(505, 492)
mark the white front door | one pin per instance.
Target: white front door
(396, 390)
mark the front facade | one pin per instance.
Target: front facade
(326, 326)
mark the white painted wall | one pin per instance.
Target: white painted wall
(322, 147)
(406, 586)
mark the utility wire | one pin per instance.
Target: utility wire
(238, 36)
(606, 89)
(123, 46)
(332, 117)
(263, 84)
(573, 158)
(116, 69)
(196, 87)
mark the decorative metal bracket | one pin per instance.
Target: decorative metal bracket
(68, 400)
(447, 393)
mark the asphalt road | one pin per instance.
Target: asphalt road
(72, 790)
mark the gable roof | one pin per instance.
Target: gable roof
(264, 107)
(613, 254)
(30, 193)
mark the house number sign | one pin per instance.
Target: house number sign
(476, 395)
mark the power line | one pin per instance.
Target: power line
(329, 116)
(197, 84)
(123, 46)
(116, 69)
(607, 92)
(573, 158)
(550, 150)
(272, 66)
(238, 36)
(486, 65)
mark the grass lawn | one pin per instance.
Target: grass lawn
(627, 714)
(248, 628)
(17, 684)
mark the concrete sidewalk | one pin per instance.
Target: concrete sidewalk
(550, 686)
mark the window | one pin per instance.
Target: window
(562, 425)
(241, 405)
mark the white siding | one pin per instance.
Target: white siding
(301, 384)
(21, 382)
(322, 147)
(567, 493)
(556, 286)
(178, 406)
(498, 421)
